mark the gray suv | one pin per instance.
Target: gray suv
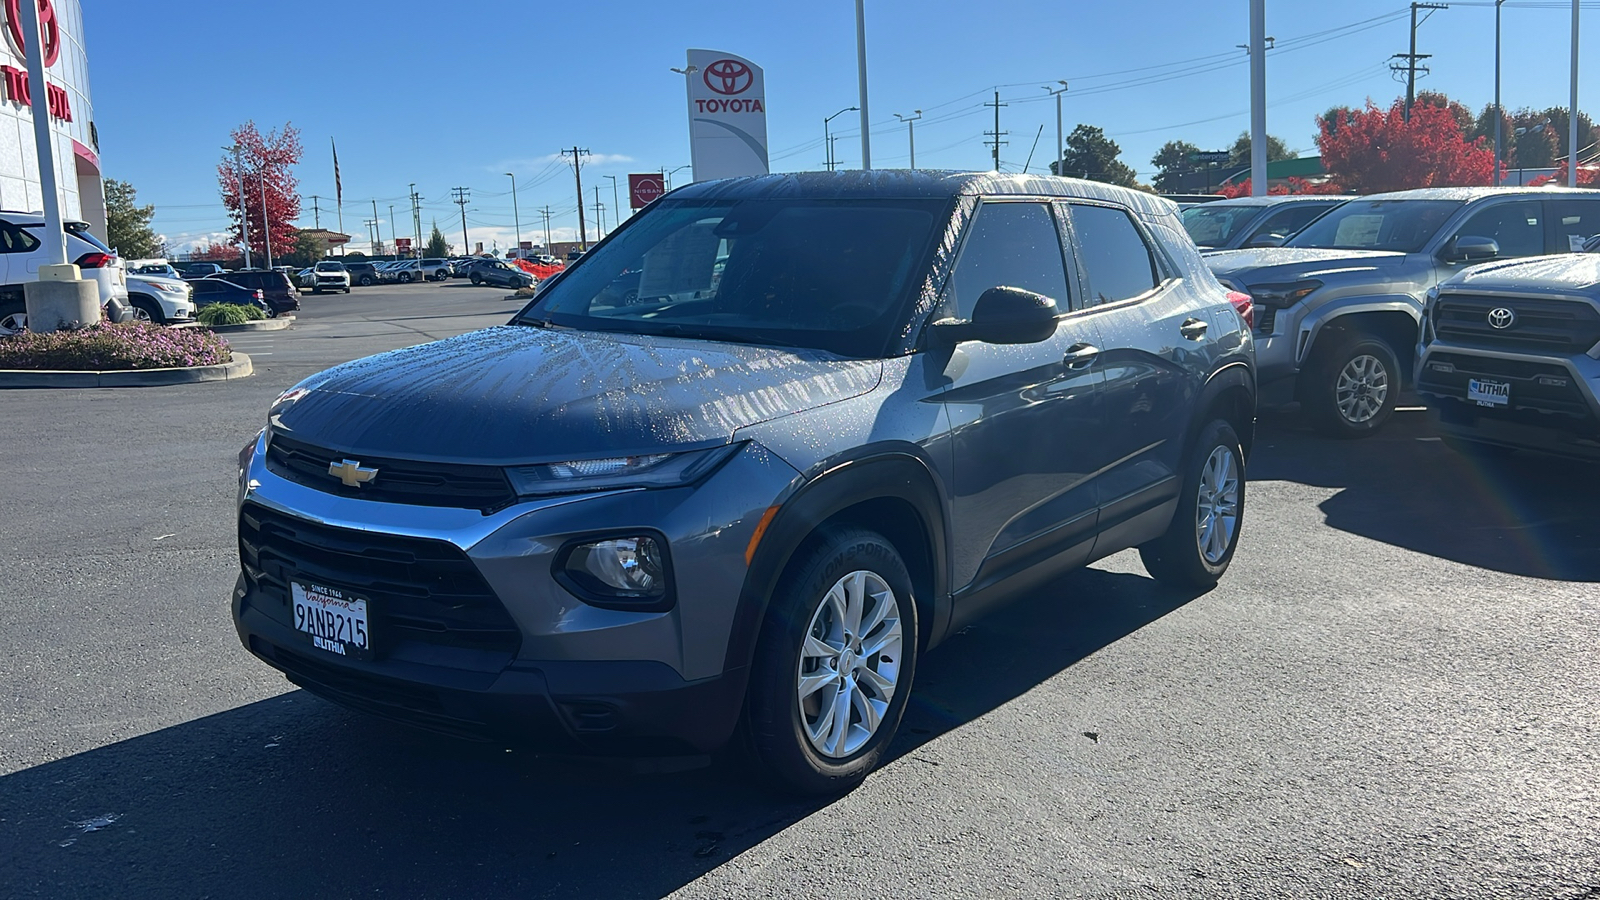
(843, 415)
(1510, 357)
(1338, 306)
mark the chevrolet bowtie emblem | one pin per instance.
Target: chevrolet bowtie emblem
(351, 472)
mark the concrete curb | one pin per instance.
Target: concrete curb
(241, 367)
(277, 324)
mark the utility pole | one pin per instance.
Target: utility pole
(1258, 98)
(394, 233)
(997, 134)
(1061, 141)
(911, 132)
(266, 223)
(599, 215)
(461, 198)
(244, 204)
(547, 240)
(1410, 66)
(577, 155)
(376, 229)
(372, 234)
(316, 214)
(516, 217)
(416, 217)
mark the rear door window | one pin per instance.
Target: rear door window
(1116, 260)
(1571, 223)
(1008, 245)
(16, 240)
(1517, 227)
(1289, 220)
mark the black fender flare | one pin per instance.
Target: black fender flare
(839, 485)
(1235, 374)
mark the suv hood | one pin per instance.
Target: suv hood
(1287, 264)
(512, 394)
(1566, 273)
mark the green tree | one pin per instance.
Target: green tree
(128, 224)
(307, 250)
(1171, 162)
(1239, 153)
(436, 247)
(1090, 154)
(1558, 117)
(1483, 128)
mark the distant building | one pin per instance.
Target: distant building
(77, 144)
(326, 240)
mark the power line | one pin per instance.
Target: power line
(997, 134)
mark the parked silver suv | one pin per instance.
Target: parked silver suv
(1338, 306)
(1510, 357)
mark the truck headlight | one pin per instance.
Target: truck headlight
(1283, 295)
(656, 470)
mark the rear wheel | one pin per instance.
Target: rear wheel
(477, 279)
(1352, 387)
(366, 281)
(13, 317)
(835, 663)
(405, 277)
(1199, 544)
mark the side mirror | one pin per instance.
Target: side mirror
(1469, 248)
(1268, 240)
(1004, 315)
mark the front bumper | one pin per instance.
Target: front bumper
(1554, 403)
(560, 674)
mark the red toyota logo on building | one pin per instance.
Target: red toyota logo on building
(725, 76)
(47, 25)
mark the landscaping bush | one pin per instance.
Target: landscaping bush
(228, 314)
(103, 347)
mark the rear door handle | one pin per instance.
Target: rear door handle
(1080, 355)
(1193, 329)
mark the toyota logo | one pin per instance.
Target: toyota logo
(47, 25)
(725, 76)
(1500, 317)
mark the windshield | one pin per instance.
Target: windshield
(833, 275)
(1404, 226)
(330, 267)
(1210, 225)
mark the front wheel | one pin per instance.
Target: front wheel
(405, 277)
(366, 281)
(477, 279)
(835, 663)
(1352, 388)
(1198, 546)
(13, 318)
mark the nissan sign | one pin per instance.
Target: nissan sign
(642, 189)
(727, 116)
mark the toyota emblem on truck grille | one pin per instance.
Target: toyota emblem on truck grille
(1500, 317)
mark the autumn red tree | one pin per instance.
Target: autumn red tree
(265, 166)
(211, 251)
(1371, 150)
(1290, 185)
(1588, 176)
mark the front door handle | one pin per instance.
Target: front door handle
(1080, 355)
(1193, 329)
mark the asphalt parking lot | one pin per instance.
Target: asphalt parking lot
(1393, 693)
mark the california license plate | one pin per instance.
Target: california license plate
(335, 620)
(1488, 393)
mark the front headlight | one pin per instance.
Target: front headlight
(658, 470)
(170, 288)
(1283, 295)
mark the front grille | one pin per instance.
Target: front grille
(1543, 324)
(418, 589)
(405, 481)
(1535, 386)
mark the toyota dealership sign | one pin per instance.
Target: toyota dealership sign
(727, 116)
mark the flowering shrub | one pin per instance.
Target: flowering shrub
(131, 345)
(228, 314)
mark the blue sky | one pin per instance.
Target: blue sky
(460, 93)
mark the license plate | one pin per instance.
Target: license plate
(336, 621)
(1488, 393)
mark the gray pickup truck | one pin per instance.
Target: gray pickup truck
(1338, 306)
(1509, 357)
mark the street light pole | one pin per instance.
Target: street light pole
(1258, 97)
(1498, 112)
(1572, 115)
(827, 138)
(861, 66)
(911, 132)
(616, 203)
(1061, 141)
(244, 204)
(516, 217)
(266, 223)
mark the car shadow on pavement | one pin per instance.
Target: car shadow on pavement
(1523, 514)
(294, 797)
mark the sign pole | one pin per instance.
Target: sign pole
(861, 66)
(1258, 97)
(39, 96)
(1572, 115)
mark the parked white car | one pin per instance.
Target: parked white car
(22, 252)
(329, 275)
(163, 301)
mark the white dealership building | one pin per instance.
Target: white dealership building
(77, 146)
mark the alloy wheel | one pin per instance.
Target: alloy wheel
(13, 323)
(1217, 513)
(849, 664)
(1361, 389)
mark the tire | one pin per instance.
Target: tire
(405, 277)
(366, 281)
(1352, 387)
(347, 290)
(13, 317)
(1477, 450)
(148, 311)
(802, 644)
(476, 279)
(1198, 546)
